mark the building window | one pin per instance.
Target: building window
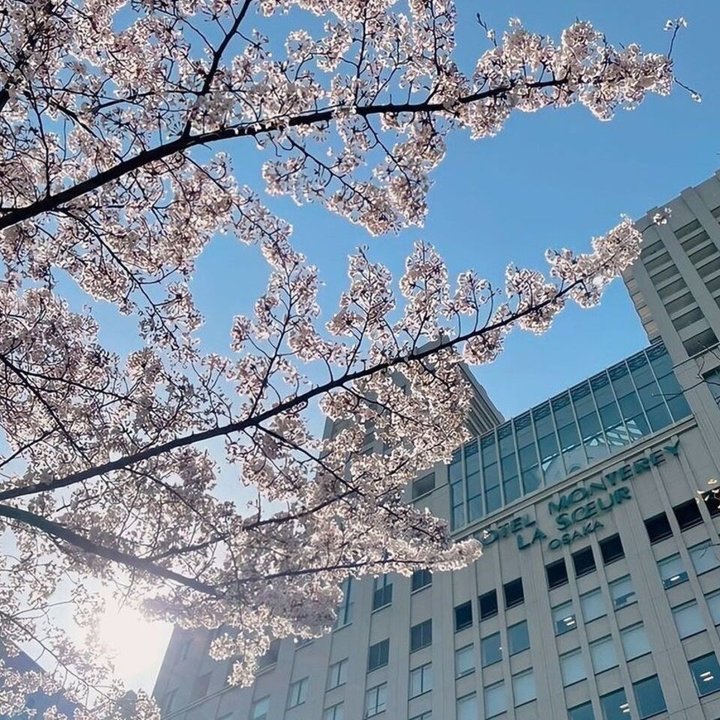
(634, 642)
(466, 708)
(603, 654)
(423, 716)
(518, 637)
(672, 571)
(421, 680)
(270, 657)
(344, 611)
(491, 649)
(378, 655)
(464, 661)
(572, 668)
(622, 592)
(583, 561)
(463, 616)
(649, 697)
(375, 700)
(514, 594)
(711, 498)
(611, 549)
(658, 528)
(688, 619)
(592, 605)
(382, 592)
(259, 709)
(337, 674)
(706, 674)
(334, 713)
(523, 686)
(424, 485)
(688, 514)
(581, 712)
(713, 602)
(556, 574)
(704, 340)
(297, 692)
(704, 557)
(615, 706)
(564, 618)
(495, 702)
(420, 579)
(420, 635)
(488, 604)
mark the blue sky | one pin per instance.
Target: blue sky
(551, 179)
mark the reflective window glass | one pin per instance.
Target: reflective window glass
(688, 619)
(622, 592)
(704, 557)
(581, 712)
(603, 654)
(672, 571)
(572, 667)
(564, 618)
(615, 706)
(495, 701)
(593, 605)
(713, 602)
(706, 674)
(649, 697)
(464, 660)
(518, 637)
(491, 649)
(634, 641)
(523, 686)
(466, 708)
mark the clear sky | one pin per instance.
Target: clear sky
(551, 179)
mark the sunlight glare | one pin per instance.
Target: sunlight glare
(136, 644)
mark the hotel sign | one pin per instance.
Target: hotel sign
(576, 512)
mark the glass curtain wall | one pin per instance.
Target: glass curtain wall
(557, 438)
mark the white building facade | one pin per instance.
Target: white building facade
(598, 593)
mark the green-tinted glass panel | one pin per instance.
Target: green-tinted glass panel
(610, 415)
(531, 479)
(512, 489)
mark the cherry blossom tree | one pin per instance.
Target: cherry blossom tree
(119, 125)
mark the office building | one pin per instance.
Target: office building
(598, 593)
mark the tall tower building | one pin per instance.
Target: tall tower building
(598, 593)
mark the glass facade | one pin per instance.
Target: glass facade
(555, 439)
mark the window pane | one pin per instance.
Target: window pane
(556, 574)
(572, 668)
(713, 602)
(467, 708)
(614, 706)
(423, 485)
(523, 687)
(464, 661)
(634, 641)
(611, 549)
(495, 702)
(622, 592)
(593, 605)
(603, 654)
(581, 712)
(564, 618)
(688, 619)
(337, 674)
(658, 527)
(420, 635)
(491, 650)
(259, 709)
(420, 680)
(420, 579)
(706, 673)
(378, 655)
(649, 697)
(518, 637)
(463, 616)
(583, 561)
(488, 604)
(688, 514)
(704, 557)
(514, 594)
(334, 713)
(672, 571)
